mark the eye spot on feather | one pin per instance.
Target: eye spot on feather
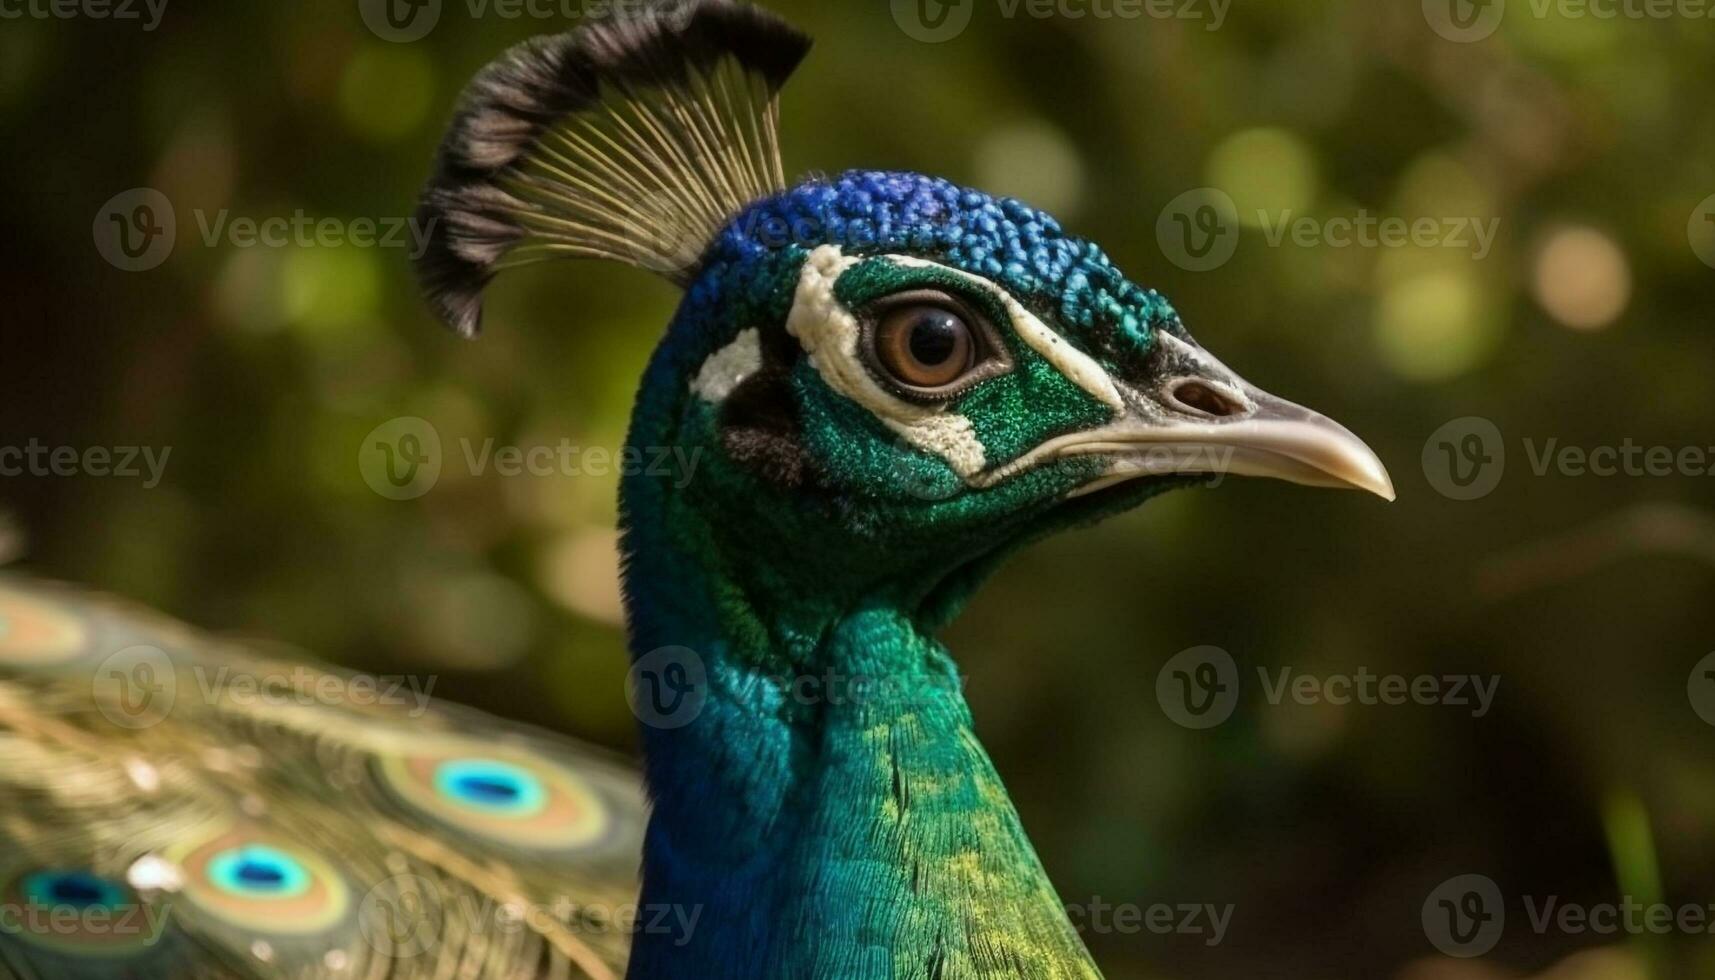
(269, 886)
(510, 798)
(75, 912)
(491, 786)
(256, 870)
(35, 632)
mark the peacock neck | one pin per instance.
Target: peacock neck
(822, 805)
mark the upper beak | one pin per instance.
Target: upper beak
(1201, 418)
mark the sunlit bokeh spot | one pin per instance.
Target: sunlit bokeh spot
(247, 293)
(1032, 161)
(386, 91)
(472, 619)
(327, 289)
(1582, 278)
(1434, 326)
(18, 57)
(1442, 185)
(1572, 37)
(581, 572)
(1267, 172)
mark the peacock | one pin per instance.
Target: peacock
(892, 383)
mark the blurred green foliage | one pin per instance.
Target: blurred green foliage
(1589, 140)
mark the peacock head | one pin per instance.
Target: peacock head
(904, 375)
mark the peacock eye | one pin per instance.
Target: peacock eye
(927, 345)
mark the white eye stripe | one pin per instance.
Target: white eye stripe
(1079, 368)
(830, 336)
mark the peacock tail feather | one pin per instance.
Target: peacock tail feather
(208, 811)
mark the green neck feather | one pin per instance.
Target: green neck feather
(829, 812)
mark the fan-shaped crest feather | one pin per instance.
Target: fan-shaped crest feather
(634, 139)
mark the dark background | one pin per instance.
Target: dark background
(1589, 140)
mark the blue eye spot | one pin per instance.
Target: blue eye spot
(74, 889)
(490, 786)
(257, 871)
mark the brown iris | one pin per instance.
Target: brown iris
(924, 346)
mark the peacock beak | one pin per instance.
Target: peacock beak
(1195, 416)
(1261, 435)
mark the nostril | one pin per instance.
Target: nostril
(1208, 400)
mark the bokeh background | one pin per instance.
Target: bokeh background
(1587, 140)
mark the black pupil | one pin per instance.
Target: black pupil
(77, 891)
(260, 875)
(934, 337)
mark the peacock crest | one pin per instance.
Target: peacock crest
(892, 381)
